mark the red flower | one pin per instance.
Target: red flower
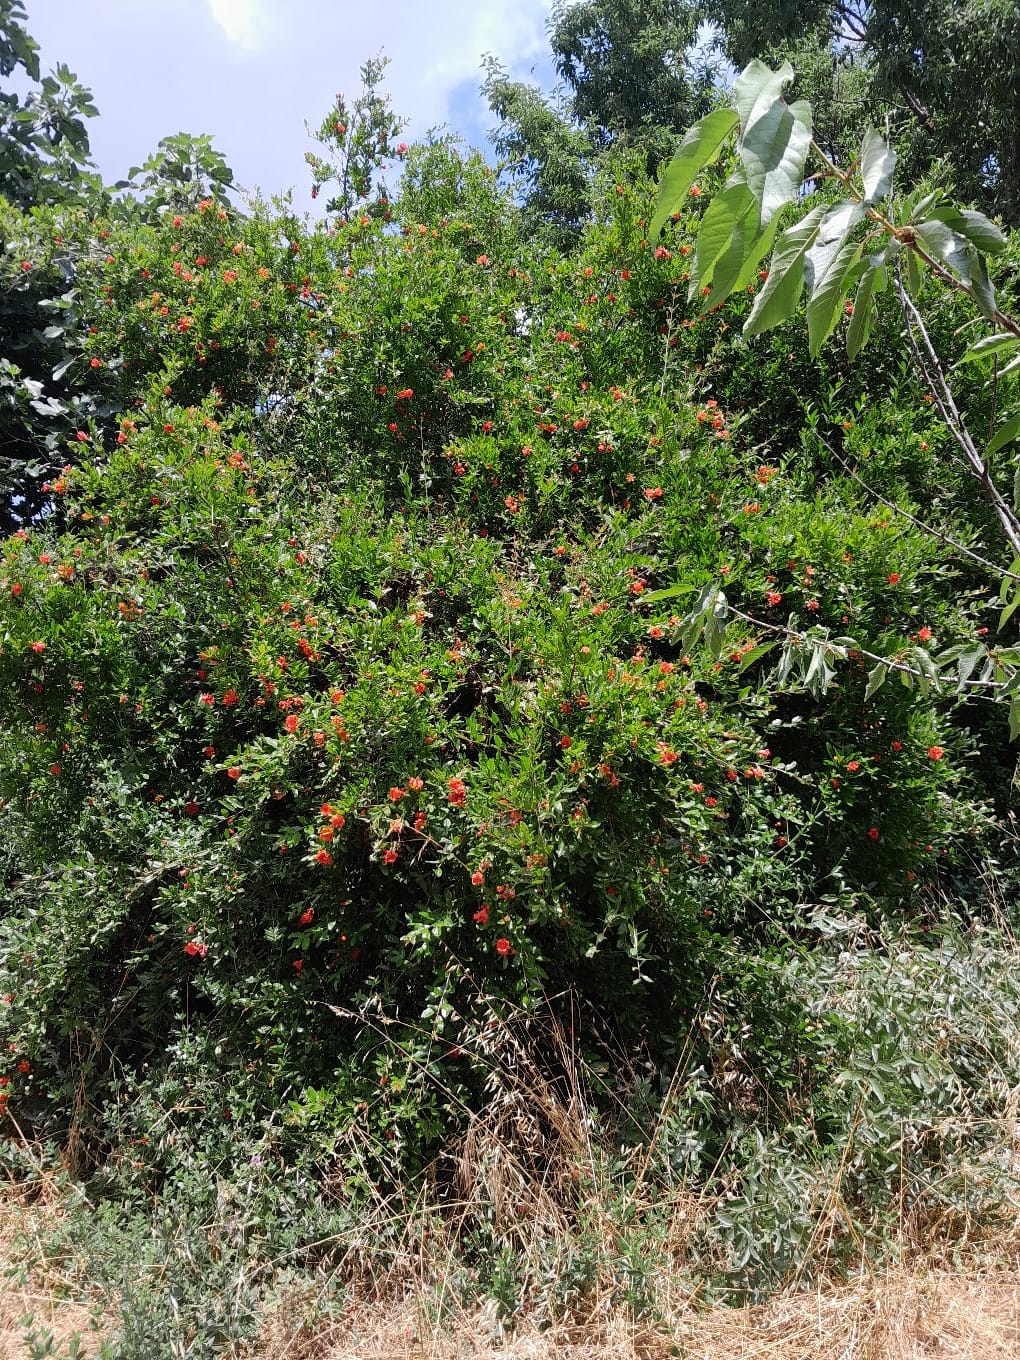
(924, 635)
(565, 742)
(773, 596)
(853, 766)
(935, 753)
(297, 965)
(893, 578)
(873, 833)
(458, 792)
(230, 698)
(196, 949)
(291, 721)
(323, 857)
(482, 915)
(396, 794)
(478, 878)
(504, 948)
(415, 783)
(234, 772)
(306, 917)
(38, 647)
(390, 857)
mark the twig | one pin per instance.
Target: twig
(929, 364)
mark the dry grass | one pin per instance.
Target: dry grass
(589, 1225)
(32, 1285)
(918, 1314)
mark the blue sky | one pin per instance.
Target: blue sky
(253, 73)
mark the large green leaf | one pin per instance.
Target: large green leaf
(878, 160)
(991, 346)
(756, 89)
(979, 231)
(700, 147)
(726, 211)
(828, 300)
(773, 150)
(947, 246)
(728, 232)
(872, 281)
(826, 265)
(778, 298)
(981, 287)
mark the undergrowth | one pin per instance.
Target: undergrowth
(845, 1106)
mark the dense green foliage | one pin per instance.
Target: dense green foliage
(371, 721)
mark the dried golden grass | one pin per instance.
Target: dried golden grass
(33, 1286)
(904, 1314)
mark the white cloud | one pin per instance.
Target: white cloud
(243, 22)
(513, 33)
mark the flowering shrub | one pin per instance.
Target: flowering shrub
(346, 681)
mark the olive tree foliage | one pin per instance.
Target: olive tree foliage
(840, 248)
(944, 69)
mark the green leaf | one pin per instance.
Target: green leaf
(755, 654)
(878, 160)
(872, 281)
(729, 229)
(981, 285)
(1002, 342)
(965, 664)
(725, 216)
(947, 246)
(700, 147)
(778, 299)
(1009, 611)
(827, 264)
(913, 273)
(1014, 719)
(981, 233)
(1004, 435)
(773, 151)
(757, 88)
(876, 679)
